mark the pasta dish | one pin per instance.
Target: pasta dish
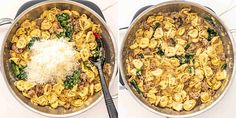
(50, 58)
(176, 60)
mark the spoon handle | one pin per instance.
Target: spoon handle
(4, 21)
(107, 96)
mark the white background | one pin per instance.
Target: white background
(128, 107)
(10, 107)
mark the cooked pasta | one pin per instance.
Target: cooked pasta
(83, 83)
(176, 60)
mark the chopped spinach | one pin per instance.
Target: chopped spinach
(190, 69)
(31, 43)
(211, 33)
(173, 42)
(140, 55)
(18, 71)
(188, 57)
(61, 34)
(187, 46)
(72, 80)
(184, 58)
(97, 51)
(138, 72)
(15, 69)
(23, 75)
(224, 66)
(181, 59)
(209, 20)
(157, 24)
(69, 32)
(160, 51)
(135, 85)
(63, 19)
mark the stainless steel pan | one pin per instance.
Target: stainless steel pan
(34, 12)
(171, 6)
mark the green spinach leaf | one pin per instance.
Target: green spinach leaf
(72, 80)
(18, 71)
(135, 85)
(211, 33)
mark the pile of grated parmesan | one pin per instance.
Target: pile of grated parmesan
(51, 60)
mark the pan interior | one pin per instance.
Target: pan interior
(176, 7)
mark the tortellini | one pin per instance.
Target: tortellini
(157, 72)
(203, 34)
(170, 51)
(45, 35)
(221, 75)
(97, 87)
(196, 21)
(21, 43)
(177, 106)
(171, 33)
(85, 54)
(58, 88)
(42, 100)
(163, 101)
(181, 31)
(216, 85)
(137, 63)
(52, 98)
(175, 60)
(20, 31)
(179, 50)
(144, 42)
(24, 85)
(84, 22)
(47, 89)
(152, 43)
(35, 33)
(148, 33)
(208, 71)
(46, 25)
(168, 25)
(193, 33)
(151, 96)
(205, 97)
(189, 104)
(77, 103)
(158, 33)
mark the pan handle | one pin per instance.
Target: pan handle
(4, 21)
(232, 31)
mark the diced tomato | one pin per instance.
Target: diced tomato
(97, 36)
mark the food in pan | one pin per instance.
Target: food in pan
(49, 58)
(177, 60)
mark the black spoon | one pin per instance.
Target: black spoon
(99, 62)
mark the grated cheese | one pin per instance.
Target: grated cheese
(51, 60)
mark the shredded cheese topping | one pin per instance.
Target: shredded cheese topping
(51, 60)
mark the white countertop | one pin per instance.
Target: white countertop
(129, 107)
(10, 107)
